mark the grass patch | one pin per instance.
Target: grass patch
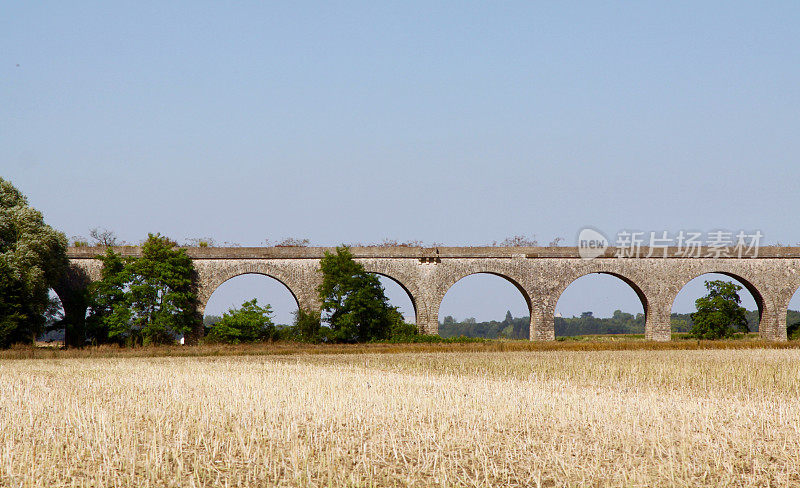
(629, 342)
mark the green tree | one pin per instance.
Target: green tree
(718, 313)
(107, 300)
(146, 300)
(307, 326)
(32, 260)
(357, 307)
(249, 323)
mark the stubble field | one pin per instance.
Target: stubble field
(531, 418)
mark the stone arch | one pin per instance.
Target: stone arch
(406, 273)
(546, 324)
(557, 275)
(765, 314)
(445, 287)
(298, 280)
(622, 277)
(405, 289)
(216, 287)
(212, 288)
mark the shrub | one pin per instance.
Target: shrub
(793, 331)
(403, 332)
(250, 323)
(307, 326)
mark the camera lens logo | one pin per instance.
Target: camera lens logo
(591, 244)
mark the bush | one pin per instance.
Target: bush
(408, 333)
(250, 323)
(307, 327)
(793, 331)
(403, 332)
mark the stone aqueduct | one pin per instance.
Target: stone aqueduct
(540, 274)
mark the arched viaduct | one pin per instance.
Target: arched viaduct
(540, 274)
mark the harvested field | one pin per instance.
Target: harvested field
(520, 418)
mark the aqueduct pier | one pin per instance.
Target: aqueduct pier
(540, 274)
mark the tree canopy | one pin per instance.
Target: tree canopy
(32, 260)
(718, 313)
(145, 300)
(353, 299)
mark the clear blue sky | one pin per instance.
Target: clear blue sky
(460, 123)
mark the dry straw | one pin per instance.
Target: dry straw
(536, 418)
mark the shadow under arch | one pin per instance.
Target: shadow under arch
(511, 280)
(216, 287)
(405, 289)
(628, 281)
(72, 290)
(746, 283)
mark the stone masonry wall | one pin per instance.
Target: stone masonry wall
(540, 274)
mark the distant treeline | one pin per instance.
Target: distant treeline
(586, 324)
